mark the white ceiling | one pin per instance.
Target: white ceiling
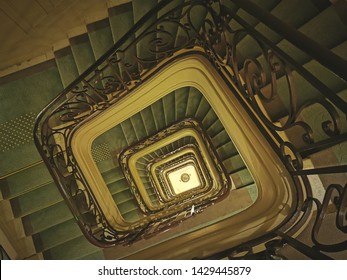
(31, 29)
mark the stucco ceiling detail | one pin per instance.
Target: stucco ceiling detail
(35, 28)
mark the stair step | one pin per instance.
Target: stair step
(82, 52)
(123, 196)
(107, 164)
(327, 77)
(113, 175)
(193, 102)
(66, 65)
(148, 120)
(158, 115)
(305, 90)
(99, 255)
(169, 107)
(35, 200)
(220, 139)
(71, 250)
(127, 206)
(242, 178)
(143, 48)
(288, 12)
(23, 95)
(115, 139)
(267, 5)
(181, 102)
(234, 163)
(25, 181)
(56, 235)
(132, 216)
(211, 119)
(139, 127)
(121, 20)
(172, 28)
(214, 128)
(203, 110)
(154, 198)
(143, 161)
(100, 36)
(327, 29)
(317, 27)
(46, 218)
(142, 172)
(118, 186)
(253, 191)
(226, 150)
(129, 132)
(197, 16)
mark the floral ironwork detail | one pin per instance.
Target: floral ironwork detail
(261, 81)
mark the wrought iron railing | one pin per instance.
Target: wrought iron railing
(254, 80)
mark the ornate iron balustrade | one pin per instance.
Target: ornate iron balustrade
(121, 70)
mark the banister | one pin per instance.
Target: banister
(245, 85)
(323, 55)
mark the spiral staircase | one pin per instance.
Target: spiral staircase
(36, 218)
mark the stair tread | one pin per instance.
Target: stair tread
(121, 20)
(288, 12)
(144, 46)
(127, 206)
(227, 150)
(305, 90)
(82, 52)
(267, 5)
(181, 102)
(113, 175)
(30, 91)
(66, 65)
(72, 249)
(129, 132)
(56, 235)
(253, 191)
(118, 186)
(107, 165)
(158, 112)
(132, 216)
(326, 29)
(139, 127)
(25, 181)
(234, 163)
(46, 218)
(193, 102)
(114, 137)
(100, 36)
(148, 120)
(36, 200)
(169, 108)
(242, 178)
(123, 196)
(98, 255)
(220, 139)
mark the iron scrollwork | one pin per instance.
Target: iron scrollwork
(261, 80)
